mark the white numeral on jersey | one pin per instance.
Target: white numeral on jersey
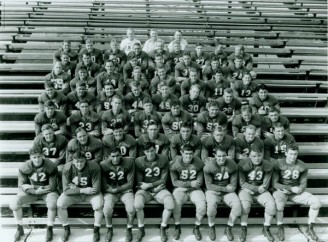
(280, 149)
(255, 175)
(39, 177)
(83, 181)
(152, 172)
(120, 175)
(288, 174)
(88, 155)
(188, 175)
(220, 176)
(49, 151)
(87, 126)
(176, 125)
(123, 150)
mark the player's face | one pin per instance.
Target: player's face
(118, 134)
(291, 156)
(249, 135)
(137, 49)
(80, 90)
(279, 132)
(263, 94)
(133, 62)
(246, 116)
(177, 36)
(213, 111)
(273, 116)
(193, 76)
(215, 65)
(175, 110)
(89, 47)
(48, 135)
(218, 49)
(153, 35)
(247, 79)
(64, 59)
(109, 67)
(36, 159)
(58, 68)
(159, 60)
(160, 47)
(161, 73)
(136, 73)
(136, 90)
(199, 49)
(114, 46)
(218, 136)
(218, 77)
(186, 59)
(49, 111)
(116, 104)
(109, 90)
(148, 107)
(115, 158)
(150, 154)
(130, 34)
(239, 51)
(165, 91)
(194, 93)
(220, 157)
(84, 108)
(238, 63)
(50, 91)
(82, 137)
(79, 163)
(227, 97)
(185, 133)
(86, 59)
(66, 47)
(256, 157)
(82, 74)
(187, 156)
(152, 131)
(176, 47)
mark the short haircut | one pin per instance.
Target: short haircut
(240, 46)
(218, 128)
(221, 150)
(147, 100)
(84, 101)
(250, 126)
(186, 53)
(109, 83)
(88, 41)
(86, 54)
(136, 68)
(46, 127)
(152, 122)
(256, 149)
(175, 103)
(292, 147)
(49, 84)
(113, 41)
(199, 44)
(262, 87)
(187, 147)
(110, 61)
(81, 84)
(66, 41)
(245, 108)
(135, 84)
(35, 150)
(192, 69)
(82, 68)
(149, 145)
(132, 56)
(117, 125)
(114, 149)
(78, 155)
(80, 129)
(278, 125)
(186, 125)
(228, 90)
(273, 109)
(213, 103)
(49, 103)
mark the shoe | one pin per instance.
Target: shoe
(267, 233)
(212, 233)
(67, 233)
(96, 235)
(141, 234)
(197, 233)
(281, 233)
(19, 233)
(163, 234)
(49, 234)
(128, 235)
(109, 235)
(310, 232)
(177, 232)
(228, 233)
(243, 234)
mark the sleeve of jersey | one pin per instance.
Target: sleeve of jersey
(276, 177)
(303, 180)
(139, 173)
(53, 174)
(96, 177)
(130, 178)
(104, 184)
(242, 178)
(267, 179)
(267, 148)
(164, 173)
(22, 178)
(175, 177)
(67, 188)
(209, 180)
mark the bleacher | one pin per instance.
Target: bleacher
(287, 39)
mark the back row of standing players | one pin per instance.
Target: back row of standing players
(134, 97)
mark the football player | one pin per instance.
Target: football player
(245, 87)
(192, 80)
(60, 78)
(51, 94)
(82, 76)
(182, 68)
(93, 69)
(127, 43)
(216, 85)
(95, 54)
(229, 105)
(66, 48)
(246, 117)
(193, 102)
(106, 96)
(273, 117)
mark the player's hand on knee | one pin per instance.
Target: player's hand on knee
(195, 184)
(261, 189)
(25, 187)
(159, 187)
(296, 190)
(88, 190)
(230, 188)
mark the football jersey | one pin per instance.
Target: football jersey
(92, 150)
(44, 176)
(73, 100)
(241, 124)
(59, 100)
(165, 54)
(69, 68)
(173, 123)
(108, 118)
(287, 176)
(57, 120)
(181, 70)
(209, 123)
(211, 145)
(72, 54)
(252, 176)
(169, 81)
(89, 176)
(162, 144)
(238, 73)
(96, 55)
(92, 69)
(183, 174)
(247, 58)
(264, 105)
(200, 59)
(214, 89)
(155, 172)
(127, 146)
(54, 149)
(115, 78)
(120, 56)
(242, 146)
(176, 57)
(220, 176)
(193, 107)
(222, 56)
(90, 82)
(141, 119)
(276, 149)
(177, 142)
(61, 81)
(135, 103)
(186, 85)
(89, 123)
(209, 73)
(104, 102)
(119, 176)
(267, 124)
(161, 104)
(229, 108)
(245, 90)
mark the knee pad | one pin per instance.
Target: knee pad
(139, 203)
(270, 208)
(169, 202)
(315, 203)
(246, 207)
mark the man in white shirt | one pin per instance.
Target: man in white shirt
(150, 44)
(127, 43)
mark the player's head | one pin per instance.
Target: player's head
(113, 45)
(228, 95)
(219, 133)
(118, 131)
(136, 88)
(109, 89)
(82, 72)
(249, 133)
(64, 57)
(153, 34)
(58, 67)
(186, 57)
(116, 103)
(110, 66)
(48, 132)
(262, 91)
(193, 74)
(66, 46)
(178, 35)
(218, 76)
(187, 152)
(238, 62)
(86, 58)
(113, 57)
(220, 156)
(194, 91)
(130, 33)
(79, 160)
(247, 78)
(273, 114)
(159, 59)
(218, 49)
(278, 130)
(49, 87)
(49, 108)
(152, 129)
(175, 107)
(89, 45)
(246, 112)
(81, 88)
(186, 130)
(161, 72)
(239, 50)
(164, 89)
(176, 46)
(215, 63)
(199, 48)
(114, 155)
(147, 105)
(150, 150)
(36, 156)
(159, 46)
(255, 155)
(136, 48)
(213, 108)
(84, 106)
(82, 135)
(291, 154)
(136, 73)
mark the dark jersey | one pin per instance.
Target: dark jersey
(276, 149)
(247, 58)
(115, 78)
(73, 56)
(194, 107)
(120, 56)
(171, 124)
(161, 104)
(90, 82)
(181, 70)
(96, 55)
(264, 105)
(222, 56)
(186, 85)
(162, 144)
(73, 100)
(61, 81)
(229, 108)
(245, 90)
(176, 57)
(242, 146)
(141, 120)
(69, 68)
(135, 103)
(267, 124)
(210, 145)
(241, 124)
(169, 81)
(92, 69)
(89, 123)
(127, 146)
(108, 118)
(165, 54)
(104, 102)
(57, 120)
(214, 89)
(209, 123)
(59, 100)
(177, 142)
(200, 59)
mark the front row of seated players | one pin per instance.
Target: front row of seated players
(113, 180)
